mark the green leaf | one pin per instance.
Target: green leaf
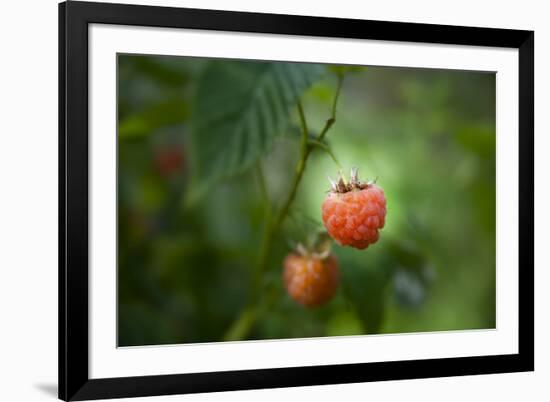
(239, 109)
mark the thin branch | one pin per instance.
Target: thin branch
(325, 148)
(338, 88)
(262, 184)
(332, 118)
(304, 130)
(300, 167)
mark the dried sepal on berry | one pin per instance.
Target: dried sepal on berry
(354, 211)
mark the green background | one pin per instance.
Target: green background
(194, 135)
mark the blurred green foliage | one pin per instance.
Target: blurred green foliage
(194, 135)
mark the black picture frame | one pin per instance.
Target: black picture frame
(74, 381)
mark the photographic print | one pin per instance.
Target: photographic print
(265, 200)
(254, 200)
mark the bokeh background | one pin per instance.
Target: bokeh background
(186, 257)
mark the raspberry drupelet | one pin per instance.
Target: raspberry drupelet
(354, 212)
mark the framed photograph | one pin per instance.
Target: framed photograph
(257, 201)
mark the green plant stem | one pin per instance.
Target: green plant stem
(306, 146)
(305, 150)
(264, 247)
(332, 118)
(245, 321)
(272, 225)
(327, 149)
(263, 186)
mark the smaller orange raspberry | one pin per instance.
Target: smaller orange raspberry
(311, 279)
(354, 212)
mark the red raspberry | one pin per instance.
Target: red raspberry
(169, 161)
(354, 212)
(311, 280)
